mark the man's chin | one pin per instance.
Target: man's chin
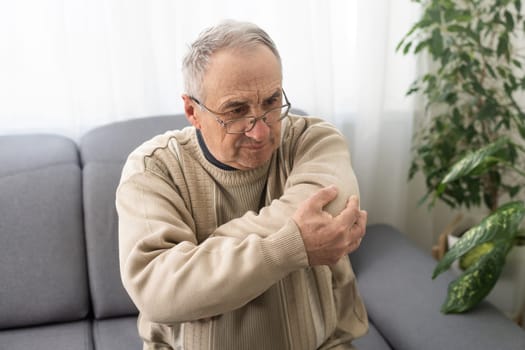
(252, 161)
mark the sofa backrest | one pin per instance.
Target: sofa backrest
(103, 153)
(43, 274)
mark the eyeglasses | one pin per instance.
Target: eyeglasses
(239, 122)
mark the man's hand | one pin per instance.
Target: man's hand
(327, 238)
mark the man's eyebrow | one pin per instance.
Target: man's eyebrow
(233, 104)
(274, 95)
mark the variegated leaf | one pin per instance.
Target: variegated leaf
(476, 282)
(503, 223)
(483, 158)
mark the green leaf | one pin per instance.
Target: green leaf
(472, 34)
(434, 14)
(513, 190)
(421, 46)
(412, 91)
(502, 72)
(455, 28)
(440, 189)
(522, 130)
(407, 48)
(503, 45)
(423, 199)
(476, 282)
(400, 43)
(500, 224)
(509, 21)
(407, 35)
(464, 17)
(475, 160)
(475, 254)
(414, 168)
(491, 71)
(437, 43)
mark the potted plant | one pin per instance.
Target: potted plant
(470, 144)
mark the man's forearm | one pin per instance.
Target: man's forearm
(170, 276)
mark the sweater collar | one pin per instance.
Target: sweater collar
(209, 157)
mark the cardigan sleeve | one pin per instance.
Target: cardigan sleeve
(316, 158)
(319, 158)
(171, 277)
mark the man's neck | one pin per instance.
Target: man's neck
(209, 156)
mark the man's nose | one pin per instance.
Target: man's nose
(259, 132)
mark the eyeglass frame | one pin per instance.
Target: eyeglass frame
(225, 124)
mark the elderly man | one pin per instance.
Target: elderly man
(234, 232)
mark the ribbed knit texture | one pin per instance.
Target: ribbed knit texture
(237, 198)
(209, 269)
(261, 316)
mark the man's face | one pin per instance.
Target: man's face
(239, 79)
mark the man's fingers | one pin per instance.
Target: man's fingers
(363, 218)
(322, 197)
(350, 213)
(358, 230)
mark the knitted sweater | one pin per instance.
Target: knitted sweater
(212, 258)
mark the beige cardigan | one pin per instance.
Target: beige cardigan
(211, 257)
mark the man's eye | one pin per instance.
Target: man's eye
(273, 102)
(238, 112)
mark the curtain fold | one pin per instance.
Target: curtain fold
(67, 66)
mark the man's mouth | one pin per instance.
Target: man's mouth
(255, 146)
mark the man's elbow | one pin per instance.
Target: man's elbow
(345, 189)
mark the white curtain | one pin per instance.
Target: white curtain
(67, 66)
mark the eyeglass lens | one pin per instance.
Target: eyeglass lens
(242, 125)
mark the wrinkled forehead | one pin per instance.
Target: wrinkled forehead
(246, 71)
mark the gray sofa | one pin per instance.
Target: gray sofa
(59, 281)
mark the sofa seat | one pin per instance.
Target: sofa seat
(116, 334)
(71, 335)
(60, 285)
(403, 301)
(373, 340)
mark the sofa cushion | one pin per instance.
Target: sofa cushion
(42, 254)
(68, 336)
(373, 340)
(108, 296)
(20, 153)
(115, 141)
(116, 334)
(402, 300)
(103, 152)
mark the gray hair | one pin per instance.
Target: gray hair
(226, 35)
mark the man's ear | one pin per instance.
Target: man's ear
(189, 110)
